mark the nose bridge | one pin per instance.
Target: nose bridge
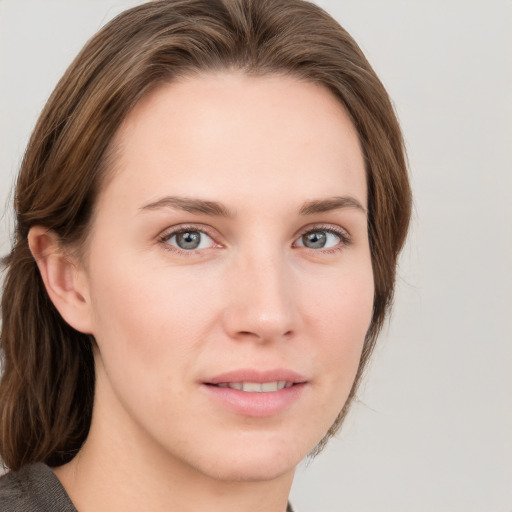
(262, 303)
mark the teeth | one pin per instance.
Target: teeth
(252, 387)
(269, 386)
(257, 387)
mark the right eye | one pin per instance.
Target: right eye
(319, 239)
(188, 239)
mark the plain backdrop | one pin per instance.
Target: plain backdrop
(432, 430)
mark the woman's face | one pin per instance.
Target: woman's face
(228, 275)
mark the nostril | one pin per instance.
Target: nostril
(262, 336)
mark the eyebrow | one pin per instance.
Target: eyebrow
(332, 203)
(217, 209)
(190, 205)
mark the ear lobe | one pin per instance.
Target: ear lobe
(63, 278)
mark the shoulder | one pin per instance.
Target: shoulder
(33, 488)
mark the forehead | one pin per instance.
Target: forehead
(240, 136)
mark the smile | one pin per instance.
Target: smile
(257, 387)
(256, 393)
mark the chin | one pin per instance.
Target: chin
(255, 462)
(250, 470)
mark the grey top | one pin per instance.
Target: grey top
(35, 488)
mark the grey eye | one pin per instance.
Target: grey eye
(319, 239)
(314, 240)
(190, 240)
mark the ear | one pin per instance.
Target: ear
(64, 278)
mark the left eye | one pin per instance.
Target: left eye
(319, 239)
(190, 240)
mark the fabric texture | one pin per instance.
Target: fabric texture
(35, 488)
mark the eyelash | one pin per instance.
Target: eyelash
(345, 239)
(167, 235)
(343, 235)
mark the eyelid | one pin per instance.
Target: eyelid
(169, 232)
(342, 233)
(165, 235)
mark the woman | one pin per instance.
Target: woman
(208, 218)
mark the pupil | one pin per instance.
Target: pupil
(315, 240)
(188, 240)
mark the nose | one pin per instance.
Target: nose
(262, 300)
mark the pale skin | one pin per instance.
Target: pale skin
(267, 176)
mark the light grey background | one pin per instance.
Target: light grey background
(433, 429)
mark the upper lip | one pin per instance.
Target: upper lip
(261, 376)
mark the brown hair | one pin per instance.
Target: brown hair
(47, 387)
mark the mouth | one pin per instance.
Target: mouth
(256, 387)
(254, 393)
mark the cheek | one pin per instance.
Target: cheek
(342, 302)
(147, 334)
(151, 315)
(342, 314)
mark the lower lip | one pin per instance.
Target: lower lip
(256, 404)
